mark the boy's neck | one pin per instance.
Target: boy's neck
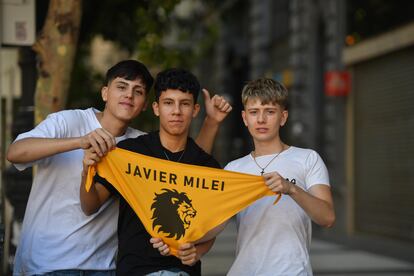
(269, 147)
(115, 127)
(173, 143)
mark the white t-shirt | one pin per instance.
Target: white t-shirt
(55, 233)
(275, 239)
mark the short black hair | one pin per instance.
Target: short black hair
(175, 78)
(130, 70)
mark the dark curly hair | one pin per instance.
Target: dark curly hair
(176, 78)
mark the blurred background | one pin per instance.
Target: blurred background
(349, 67)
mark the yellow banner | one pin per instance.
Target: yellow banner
(178, 202)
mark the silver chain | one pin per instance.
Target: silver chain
(173, 160)
(263, 168)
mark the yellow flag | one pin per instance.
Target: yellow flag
(178, 202)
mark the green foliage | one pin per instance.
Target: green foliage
(149, 31)
(123, 21)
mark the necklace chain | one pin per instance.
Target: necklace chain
(263, 168)
(178, 160)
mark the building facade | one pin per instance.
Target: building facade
(363, 133)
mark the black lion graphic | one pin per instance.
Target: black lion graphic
(173, 213)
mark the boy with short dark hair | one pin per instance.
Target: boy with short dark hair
(56, 236)
(176, 95)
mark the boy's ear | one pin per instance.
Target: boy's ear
(285, 115)
(196, 110)
(104, 93)
(243, 113)
(155, 109)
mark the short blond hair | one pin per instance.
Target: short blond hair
(267, 91)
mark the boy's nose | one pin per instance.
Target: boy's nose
(177, 109)
(261, 118)
(129, 93)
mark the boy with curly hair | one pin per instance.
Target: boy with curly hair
(176, 92)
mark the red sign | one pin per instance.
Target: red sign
(337, 83)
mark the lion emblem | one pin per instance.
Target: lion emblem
(173, 213)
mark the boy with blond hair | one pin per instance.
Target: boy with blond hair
(275, 239)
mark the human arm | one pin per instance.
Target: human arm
(97, 195)
(32, 149)
(217, 109)
(317, 202)
(212, 233)
(188, 253)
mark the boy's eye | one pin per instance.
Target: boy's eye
(121, 87)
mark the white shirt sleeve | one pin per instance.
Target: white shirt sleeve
(54, 126)
(316, 171)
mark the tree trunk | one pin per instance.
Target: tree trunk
(56, 48)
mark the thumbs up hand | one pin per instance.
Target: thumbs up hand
(217, 107)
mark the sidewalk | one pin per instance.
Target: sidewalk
(328, 259)
(333, 259)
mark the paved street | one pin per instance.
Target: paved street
(328, 259)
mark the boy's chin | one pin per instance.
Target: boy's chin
(176, 132)
(262, 137)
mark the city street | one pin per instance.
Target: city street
(328, 259)
(330, 80)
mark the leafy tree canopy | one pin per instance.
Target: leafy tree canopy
(149, 31)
